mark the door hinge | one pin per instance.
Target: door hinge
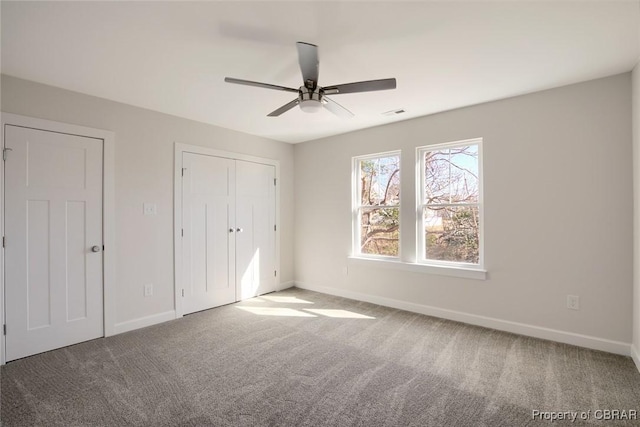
(182, 232)
(275, 273)
(183, 293)
(274, 228)
(274, 181)
(4, 329)
(3, 241)
(4, 153)
(183, 169)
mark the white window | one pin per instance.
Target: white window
(376, 205)
(449, 204)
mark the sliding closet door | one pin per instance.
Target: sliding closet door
(255, 229)
(208, 241)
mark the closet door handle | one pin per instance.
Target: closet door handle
(231, 230)
(239, 230)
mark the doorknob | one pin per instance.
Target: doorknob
(95, 248)
(239, 230)
(231, 230)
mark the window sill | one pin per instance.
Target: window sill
(466, 273)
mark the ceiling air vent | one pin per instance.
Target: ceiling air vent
(393, 112)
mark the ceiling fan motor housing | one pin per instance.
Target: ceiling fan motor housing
(310, 101)
(311, 97)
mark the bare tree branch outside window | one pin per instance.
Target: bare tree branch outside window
(451, 204)
(379, 208)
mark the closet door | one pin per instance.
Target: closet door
(255, 229)
(208, 242)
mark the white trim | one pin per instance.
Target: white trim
(580, 340)
(635, 355)
(109, 234)
(177, 209)
(286, 285)
(108, 215)
(143, 322)
(177, 230)
(451, 144)
(441, 270)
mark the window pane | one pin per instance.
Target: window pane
(452, 233)
(436, 176)
(380, 181)
(379, 231)
(451, 175)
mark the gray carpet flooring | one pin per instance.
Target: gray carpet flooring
(300, 358)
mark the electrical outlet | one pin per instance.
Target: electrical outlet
(149, 209)
(148, 290)
(573, 302)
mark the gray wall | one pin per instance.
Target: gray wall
(558, 202)
(558, 210)
(636, 215)
(144, 173)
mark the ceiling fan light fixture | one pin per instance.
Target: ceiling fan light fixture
(311, 96)
(310, 106)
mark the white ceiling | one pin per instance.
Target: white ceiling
(173, 56)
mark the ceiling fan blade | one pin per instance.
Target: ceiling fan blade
(258, 84)
(336, 108)
(284, 108)
(308, 59)
(368, 86)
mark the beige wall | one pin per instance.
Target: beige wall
(144, 173)
(560, 159)
(636, 214)
(558, 210)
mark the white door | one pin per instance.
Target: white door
(255, 218)
(53, 219)
(208, 242)
(228, 230)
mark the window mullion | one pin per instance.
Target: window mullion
(440, 205)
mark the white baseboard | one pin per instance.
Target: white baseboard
(635, 355)
(586, 341)
(286, 285)
(143, 322)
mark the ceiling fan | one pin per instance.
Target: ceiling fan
(312, 97)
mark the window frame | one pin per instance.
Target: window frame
(356, 206)
(421, 205)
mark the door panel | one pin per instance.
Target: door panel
(38, 274)
(228, 242)
(208, 246)
(53, 216)
(255, 216)
(76, 291)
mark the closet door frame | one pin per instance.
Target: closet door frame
(181, 148)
